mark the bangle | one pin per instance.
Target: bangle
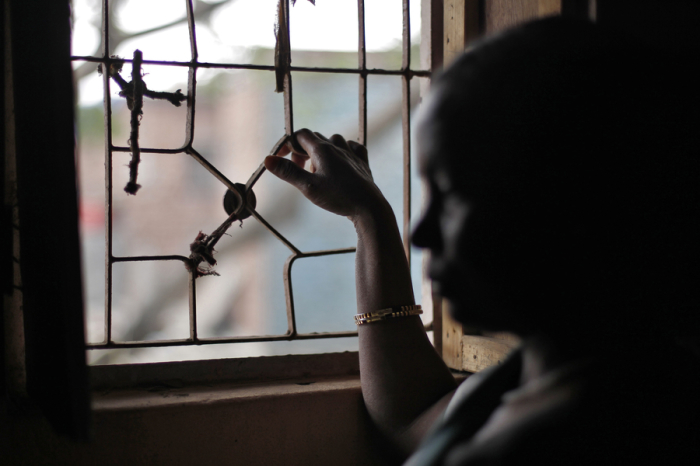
(388, 313)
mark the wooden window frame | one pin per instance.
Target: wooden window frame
(468, 349)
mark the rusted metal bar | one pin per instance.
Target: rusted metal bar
(191, 79)
(150, 150)
(193, 304)
(255, 177)
(289, 295)
(219, 340)
(242, 66)
(261, 169)
(192, 31)
(362, 65)
(222, 340)
(288, 107)
(148, 258)
(406, 36)
(326, 252)
(107, 104)
(213, 170)
(272, 230)
(406, 129)
(191, 98)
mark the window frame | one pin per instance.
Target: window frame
(283, 70)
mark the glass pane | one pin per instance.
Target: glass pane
(324, 293)
(326, 27)
(87, 23)
(240, 31)
(90, 163)
(156, 27)
(247, 299)
(149, 301)
(384, 139)
(384, 33)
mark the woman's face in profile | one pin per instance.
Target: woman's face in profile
(459, 226)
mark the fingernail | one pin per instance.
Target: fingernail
(296, 147)
(271, 162)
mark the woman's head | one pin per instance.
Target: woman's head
(555, 166)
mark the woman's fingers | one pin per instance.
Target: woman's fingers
(291, 146)
(289, 171)
(340, 141)
(321, 137)
(300, 160)
(359, 150)
(306, 145)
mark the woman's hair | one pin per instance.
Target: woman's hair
(596, 143)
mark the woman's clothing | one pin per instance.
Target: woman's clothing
(624, 410)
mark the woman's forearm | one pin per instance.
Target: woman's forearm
(402, 374)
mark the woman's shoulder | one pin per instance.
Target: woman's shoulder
(606, 413)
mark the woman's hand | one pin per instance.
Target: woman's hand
(340, 180)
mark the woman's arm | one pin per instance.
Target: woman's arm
(402, 375)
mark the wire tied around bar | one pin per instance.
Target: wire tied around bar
(134, 91)
(202, 248)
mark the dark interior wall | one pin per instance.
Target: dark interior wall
(49, 256)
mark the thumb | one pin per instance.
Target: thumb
(288, 171)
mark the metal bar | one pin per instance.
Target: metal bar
(242, 66)
(107, 104)
(406, 130)
(254, 177)
(406, 55)
(193, 305)
(192, 31)
(149, 258)
(219, 340)
(191, 79)
(326, 252)
(213, 170)
(289, 129)
(191, 97)
(288, 107)
(362, 65)
(222, 340)
(272, 230)
(261, 169)
(189, 138)
(289, 296)
(179, 150)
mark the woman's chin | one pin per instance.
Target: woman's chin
(480, 316)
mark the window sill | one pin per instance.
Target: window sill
(169, 395)
(216, 371)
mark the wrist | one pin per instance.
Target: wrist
(376, 217)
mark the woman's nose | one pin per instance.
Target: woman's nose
(426, 233)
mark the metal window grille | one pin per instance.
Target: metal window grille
(284, 70)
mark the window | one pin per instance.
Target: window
(355, 70)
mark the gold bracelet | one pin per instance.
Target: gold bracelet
(388, 313)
